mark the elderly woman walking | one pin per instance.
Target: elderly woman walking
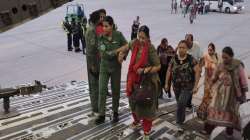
(143, 71)
(229, 85)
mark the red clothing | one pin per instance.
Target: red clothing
(99, 29)
(146, 123)
(133, 77)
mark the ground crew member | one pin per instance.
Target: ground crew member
(76, 37)
(81, 36)
(68, 29)
(110, 68)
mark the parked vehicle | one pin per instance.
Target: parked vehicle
(227, 6)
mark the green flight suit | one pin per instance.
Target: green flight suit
(152, 80)
(93, 66)
(110, 68)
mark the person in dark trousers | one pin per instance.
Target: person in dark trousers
(135, 28)
(201, 8)
(76, 35)
(174, 6)
(68, 29)
(81, 36)
(166, 53)
(184, 73)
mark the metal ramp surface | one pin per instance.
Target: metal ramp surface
(63, 112)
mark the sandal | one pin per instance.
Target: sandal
(135, 125)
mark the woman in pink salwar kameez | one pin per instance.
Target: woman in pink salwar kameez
(228, 88)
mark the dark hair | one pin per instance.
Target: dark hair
(228, 50)
(102, 11)
(212, 46)
(144, 29)
(183, 41)
(191, 36)
(109, 19)
(164, 40)
(94, 17)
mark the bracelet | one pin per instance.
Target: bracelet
(144, 70)
(148, 71)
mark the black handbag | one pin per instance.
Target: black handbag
(142, 95)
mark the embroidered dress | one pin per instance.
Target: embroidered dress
(210, 63)
(226, 93)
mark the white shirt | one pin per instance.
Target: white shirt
(196, 51)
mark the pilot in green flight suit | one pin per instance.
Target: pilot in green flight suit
(110, 68)
(93, 60)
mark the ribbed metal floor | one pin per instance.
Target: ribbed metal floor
(63, 113)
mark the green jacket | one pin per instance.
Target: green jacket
(92, 52)
(109, 60)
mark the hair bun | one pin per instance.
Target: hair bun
(144, 29)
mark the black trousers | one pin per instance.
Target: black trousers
(76, 42)
(69, 40)
(189, 104)
(162, 74)
(182, 97)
